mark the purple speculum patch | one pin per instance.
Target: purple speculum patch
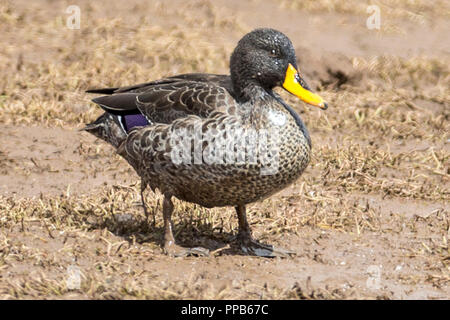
(133, 120)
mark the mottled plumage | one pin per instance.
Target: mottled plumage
(214, 140)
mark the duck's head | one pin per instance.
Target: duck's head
(266, 58)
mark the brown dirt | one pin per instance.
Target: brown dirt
(374, 199)
(39, 160)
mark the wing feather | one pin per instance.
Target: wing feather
(165, 100)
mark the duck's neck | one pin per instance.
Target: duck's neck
(251, 99)
(254, 95)
(250, 91)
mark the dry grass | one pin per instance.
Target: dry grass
(384, 143)
(392, 12)
(415, 10)
(126, 50)
(64, 226)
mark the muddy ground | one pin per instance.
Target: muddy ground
(369, 218)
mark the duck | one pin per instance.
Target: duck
(215, 140)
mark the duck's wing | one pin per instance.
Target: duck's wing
(219, 79)
(165, 100)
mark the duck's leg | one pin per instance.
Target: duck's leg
(250, 245)
(143, 187)
(170, 247)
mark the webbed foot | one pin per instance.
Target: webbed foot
(252, 247)
(175, 250)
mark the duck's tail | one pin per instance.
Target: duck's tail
(109, 128)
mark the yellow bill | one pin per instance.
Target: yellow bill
(292, 84)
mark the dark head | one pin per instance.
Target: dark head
(266, 58)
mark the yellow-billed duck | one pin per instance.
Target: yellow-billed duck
(215, 140)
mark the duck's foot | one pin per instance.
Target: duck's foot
(170, 248)
(253, 247)
(174, 250)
